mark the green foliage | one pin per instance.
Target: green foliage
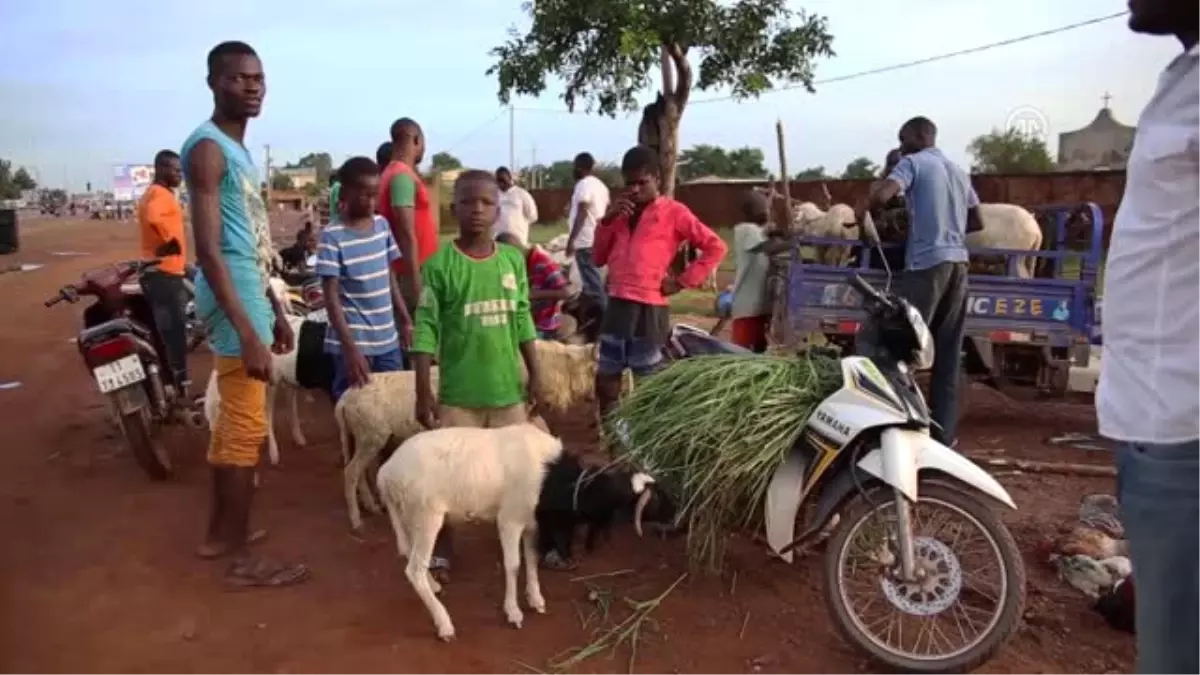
(321, 161)
(560, 174)
(606, 50)
(12, 183)
(23, 180)
(1009, 152)
(282, 181)
(444, 161)
(861, 167)
(812, 173)
(711, 160)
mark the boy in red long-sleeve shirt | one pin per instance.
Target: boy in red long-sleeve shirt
(637, 240)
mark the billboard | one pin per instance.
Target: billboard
(131, 180)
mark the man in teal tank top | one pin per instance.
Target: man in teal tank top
(233, 250)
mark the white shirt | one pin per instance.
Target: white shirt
(750, 283)
(1149, 388)
(517, 212)
(593, 193)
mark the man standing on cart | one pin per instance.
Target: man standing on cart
(940, 200)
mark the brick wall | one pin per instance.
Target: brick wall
(718, 204)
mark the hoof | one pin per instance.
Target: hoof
(300, 440)
(435, 587)
(537, 604)
(446, 637)
(516, 619)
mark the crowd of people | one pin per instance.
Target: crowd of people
(399, 298)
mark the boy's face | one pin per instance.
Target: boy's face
(359, 196)
(476, 205)
(641, 186)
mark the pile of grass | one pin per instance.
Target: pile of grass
(713, 429)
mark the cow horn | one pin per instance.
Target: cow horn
(642, 500)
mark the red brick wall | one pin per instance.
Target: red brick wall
(718, 203)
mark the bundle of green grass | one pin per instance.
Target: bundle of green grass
(713, 429)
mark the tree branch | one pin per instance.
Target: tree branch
(683, 69)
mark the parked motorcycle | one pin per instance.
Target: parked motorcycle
(121, 348)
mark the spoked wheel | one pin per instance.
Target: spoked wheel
(970, 587)
(148, 453)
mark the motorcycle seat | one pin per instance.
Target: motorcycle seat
(111, 328)
(694, 341)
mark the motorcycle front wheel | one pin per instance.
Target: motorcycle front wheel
(968, 596)
(148, 454)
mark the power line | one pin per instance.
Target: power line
(467, 136)
(898, 66)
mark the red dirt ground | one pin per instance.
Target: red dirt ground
(97, 572)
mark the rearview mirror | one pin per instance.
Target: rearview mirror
(869, 233)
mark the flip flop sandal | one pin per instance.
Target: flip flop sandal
(439, 569)
(264, 574)
(206, 552)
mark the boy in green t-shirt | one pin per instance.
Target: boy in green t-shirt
(474, 315)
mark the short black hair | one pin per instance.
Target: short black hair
(355, 168)
(922, 125)
(164, 156)
(404, 128)
(585, 161)
(503, 169)
(473, 175)
(383, 155)
(216, 56)
(640, 158)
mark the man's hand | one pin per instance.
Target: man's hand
(570, 249)
(405, 328)
(285, 340)
(670, 286)
(533, 397)
(621, 206)
(256, 359)
(358, 372)
(428, 412)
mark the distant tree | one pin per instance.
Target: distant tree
(711, 160)
(606, 50)
(813, 173)
(861, 167)
(282, 181)
(444, 161)
(13, 182)
(1009, 151)
(561, 174)
(321, 161)
(23, 180)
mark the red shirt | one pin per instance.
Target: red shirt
(424, 224)
(544, 275)
(638, 259)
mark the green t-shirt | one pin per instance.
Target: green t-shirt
(473, 315)
(403, 190)
(335, 191)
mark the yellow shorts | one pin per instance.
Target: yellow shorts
(487, 418)
(240, 431)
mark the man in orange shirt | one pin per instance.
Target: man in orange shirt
(404, 202)
(160, 219)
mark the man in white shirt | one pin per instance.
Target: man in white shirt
(1149, 393)
(517, 209)
(589, 202)
(751, 306)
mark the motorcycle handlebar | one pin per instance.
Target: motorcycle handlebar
(868, 291)
(56, 299)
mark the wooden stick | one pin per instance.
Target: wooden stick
(1033, 466)
(781, 325)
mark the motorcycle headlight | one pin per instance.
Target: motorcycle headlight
(923, 355)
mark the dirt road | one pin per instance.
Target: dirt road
(97, 572)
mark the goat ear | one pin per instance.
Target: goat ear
(639, 481)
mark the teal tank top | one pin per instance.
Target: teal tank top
(245, 244)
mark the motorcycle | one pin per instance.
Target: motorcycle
(121, 348)
(867, 472)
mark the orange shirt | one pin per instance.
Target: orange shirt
(160, 219)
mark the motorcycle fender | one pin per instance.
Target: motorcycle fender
(904, 453)
(783, 503)
(129, 399)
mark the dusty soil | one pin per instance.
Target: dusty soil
(97, 572)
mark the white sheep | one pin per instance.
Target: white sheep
(839, 222)
(469, 474)
(1008, 226)
(385, 407)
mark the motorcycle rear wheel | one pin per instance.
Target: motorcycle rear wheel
(148, 454)
(925, 603)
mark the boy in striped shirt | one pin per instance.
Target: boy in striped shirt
(368, 321)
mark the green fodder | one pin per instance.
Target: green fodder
(713, 429)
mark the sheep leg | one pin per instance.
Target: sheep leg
(533, 587)
(272, 445)
(368, 446)
(402, 545)
(425, 527)
(297, 434)
(510, 544)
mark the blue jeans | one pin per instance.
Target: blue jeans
(1160, 509)
(589, 274)
(377, 363)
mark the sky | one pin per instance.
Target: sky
(90, 84)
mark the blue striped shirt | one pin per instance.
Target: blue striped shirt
(361, 262)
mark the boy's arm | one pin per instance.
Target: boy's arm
(398, 305)
(554, 286)
(329, 268)
(205, 166)
(427, 318)
(531, 212)
(899, 179)
(157, 209)
(712, 248)
(603, 243)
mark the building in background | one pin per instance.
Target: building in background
(300, 177)
(1102, 145)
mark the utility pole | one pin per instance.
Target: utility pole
(533, 177)
(512, 138)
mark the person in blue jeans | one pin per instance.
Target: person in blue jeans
(1148, 399)
(368, 320)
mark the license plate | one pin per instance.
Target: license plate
(318, 315)
(120, 373)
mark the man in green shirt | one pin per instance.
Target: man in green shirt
(335, 195)
(474, 317)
